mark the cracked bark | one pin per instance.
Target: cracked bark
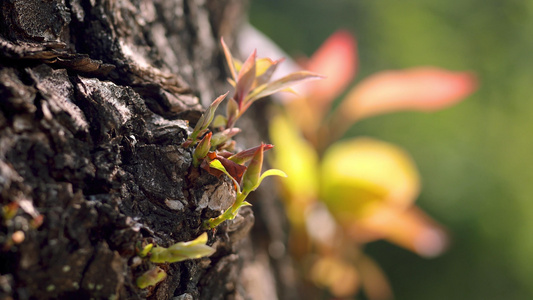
(95, 96)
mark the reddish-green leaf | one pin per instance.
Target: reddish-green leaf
(246, 78)
(234, 169)
(229, 59)
(337, 60)
(216, 165)
(265, 68)
(245, 155)
(232, 111)
(220, 138)
(422, 89)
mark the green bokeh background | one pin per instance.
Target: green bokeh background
(475, 158)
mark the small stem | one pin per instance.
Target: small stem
(195, 162)
(229, 214)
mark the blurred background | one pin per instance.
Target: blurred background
(474, 158)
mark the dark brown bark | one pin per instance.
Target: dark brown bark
(95, 96)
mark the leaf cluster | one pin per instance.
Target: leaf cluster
(251, 81)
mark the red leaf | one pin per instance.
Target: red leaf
(336, 59)
(245, 79)
(234, 169)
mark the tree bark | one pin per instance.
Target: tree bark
(95, 96)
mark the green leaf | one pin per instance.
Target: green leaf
(219, 121)
(253, 172)
(201, 149)
(202, 239)
(271, 172)
(196, 248)
(151, 277)
(207, 117)
(144, 252)
(216, 164)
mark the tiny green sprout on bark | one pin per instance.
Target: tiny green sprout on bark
(146, 250)
(151, 277)
(204, 121)
(181, 251)
(252, 178)
(201, 150)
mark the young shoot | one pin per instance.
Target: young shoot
(251, 180)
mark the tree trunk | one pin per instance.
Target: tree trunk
(95, 96)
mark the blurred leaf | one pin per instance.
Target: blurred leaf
(265, 67)
(9, 211)
(219, 121)
(423, 89)
(229, 59)
(361, 175)
(295, 157)
(374, 282)
(232, 110)
(336, 59)
(245, 79)
(411, 229)
(339, 276)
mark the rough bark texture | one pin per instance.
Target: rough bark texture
(95, 96)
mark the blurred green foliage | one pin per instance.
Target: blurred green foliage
(475, 158)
